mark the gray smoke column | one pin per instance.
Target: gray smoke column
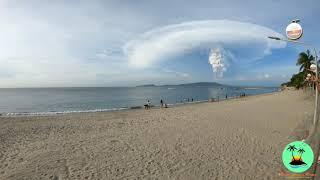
(217, 62)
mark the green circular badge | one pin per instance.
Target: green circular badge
(297, 157)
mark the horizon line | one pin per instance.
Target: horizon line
(133, 86)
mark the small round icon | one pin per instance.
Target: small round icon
(297, 157)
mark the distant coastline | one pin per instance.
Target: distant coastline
(186, 84)
(147, 85)
(208, 84)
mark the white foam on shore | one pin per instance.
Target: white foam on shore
(60, 112)
(51, 113)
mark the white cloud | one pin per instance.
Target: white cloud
(248, 40)
(40, 47)
(266, 76)
(185, 75)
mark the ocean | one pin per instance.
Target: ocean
(42, 101)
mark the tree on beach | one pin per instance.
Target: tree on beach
(301, 151)
(292, 148)
(304, 60)
(297, 80)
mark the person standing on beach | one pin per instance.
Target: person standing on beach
(161, 103)
(149, 104)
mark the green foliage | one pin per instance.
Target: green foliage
(304, 60)
(297, 80)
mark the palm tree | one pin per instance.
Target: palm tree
(292, 148)
(301, 151)
(304, 61)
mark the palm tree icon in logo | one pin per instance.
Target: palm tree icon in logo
(297, 156)
(292, 148)
(296, 160)
(301, 151)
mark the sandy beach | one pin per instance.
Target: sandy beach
(234, 139)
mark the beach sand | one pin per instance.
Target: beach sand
(234, 139)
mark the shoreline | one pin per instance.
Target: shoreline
(58, 113)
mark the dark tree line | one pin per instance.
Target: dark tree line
(304, 61)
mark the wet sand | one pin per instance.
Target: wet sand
(234, 139)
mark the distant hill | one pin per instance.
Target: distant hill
(206, 84)
(187, 84)
(201, 84)
(146, 85)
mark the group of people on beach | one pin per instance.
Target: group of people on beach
(217, 99)
(186, 100)
(162, 104)
(147, 105)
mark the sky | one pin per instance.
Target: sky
(127, 43)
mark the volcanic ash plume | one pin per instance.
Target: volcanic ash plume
(216, 61)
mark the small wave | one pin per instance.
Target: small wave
(61, 112)
(253, 88)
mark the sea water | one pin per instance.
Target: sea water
(41, 101)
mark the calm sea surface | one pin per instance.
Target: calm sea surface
(64, 100)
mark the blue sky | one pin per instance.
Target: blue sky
(126, 43)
